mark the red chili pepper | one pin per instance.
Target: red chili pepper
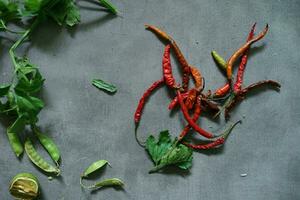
(184, 64)
(197, 78)
(146, 95)
(215, 143)
(190, 100)
(174, 102)
(167, 68)
(196, 116)
(242, 66)
(241, 51)
(190, 120)
(222, 91)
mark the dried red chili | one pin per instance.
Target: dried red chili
(184, 64)
(167, 68)
(215, 143)
(146, 95)
(190, 100)
(239, 77)
(222, 91)
(174, 102)
(242, 50)
(197, 77)
(196, 116)
(190, 120)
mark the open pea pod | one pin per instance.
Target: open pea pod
(48, 144)
(94, 167)
(37, 159)
(12, 134)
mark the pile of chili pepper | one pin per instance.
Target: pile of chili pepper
(194, 99)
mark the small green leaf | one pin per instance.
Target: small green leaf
(94, 167)
(4, 89)
(100, 84)
(2, 25)
(166, 152)
(73, 15)
(33, 6)
(108, 183)
(107, 4)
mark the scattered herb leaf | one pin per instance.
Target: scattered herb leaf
(100, 84)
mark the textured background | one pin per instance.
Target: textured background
(88, 124)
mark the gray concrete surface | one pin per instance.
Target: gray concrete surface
(88, 124)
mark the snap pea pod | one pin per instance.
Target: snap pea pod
(48, 144)
(38, 160)
(108, 182)
(12, 134)
(100, 84)
(94, 167)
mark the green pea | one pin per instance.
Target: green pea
(38, 160)
(94, 167)
(219, 60)
(12, 134)
(108, 182)
(48, 144)
(24, 186)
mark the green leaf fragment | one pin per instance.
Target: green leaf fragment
(167, 152)
(4, 89)
(94, 167)
(100, 84)
(107, 4)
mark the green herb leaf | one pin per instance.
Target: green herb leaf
(100, 84)
(73, 15)
(107, 4)
(2, 25)
(9, 11)
(33, 6)
(167, 152)
(94, 167)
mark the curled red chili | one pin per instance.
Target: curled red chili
(242, 50)
(167, 68)
(239, 77)
(146, 95)
(196, 116)
(197, 78)
(201, 131)
(215, 143)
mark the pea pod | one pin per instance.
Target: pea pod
(108, 182)
(38, 160)
(24, 186)
(219, 60)
(94, 167)
(12, 134)
(48, 144)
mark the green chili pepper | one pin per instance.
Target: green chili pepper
(219, 60)
(104, 86)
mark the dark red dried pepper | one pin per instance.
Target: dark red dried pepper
(146, 95)
(222, 91)
(190, 100)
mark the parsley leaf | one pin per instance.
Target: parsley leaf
(166, 152)
(9, 11)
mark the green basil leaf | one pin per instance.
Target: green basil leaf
(100, 84)
(94, 167)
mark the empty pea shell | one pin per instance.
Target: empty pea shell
(24, 186)
(94, 167)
